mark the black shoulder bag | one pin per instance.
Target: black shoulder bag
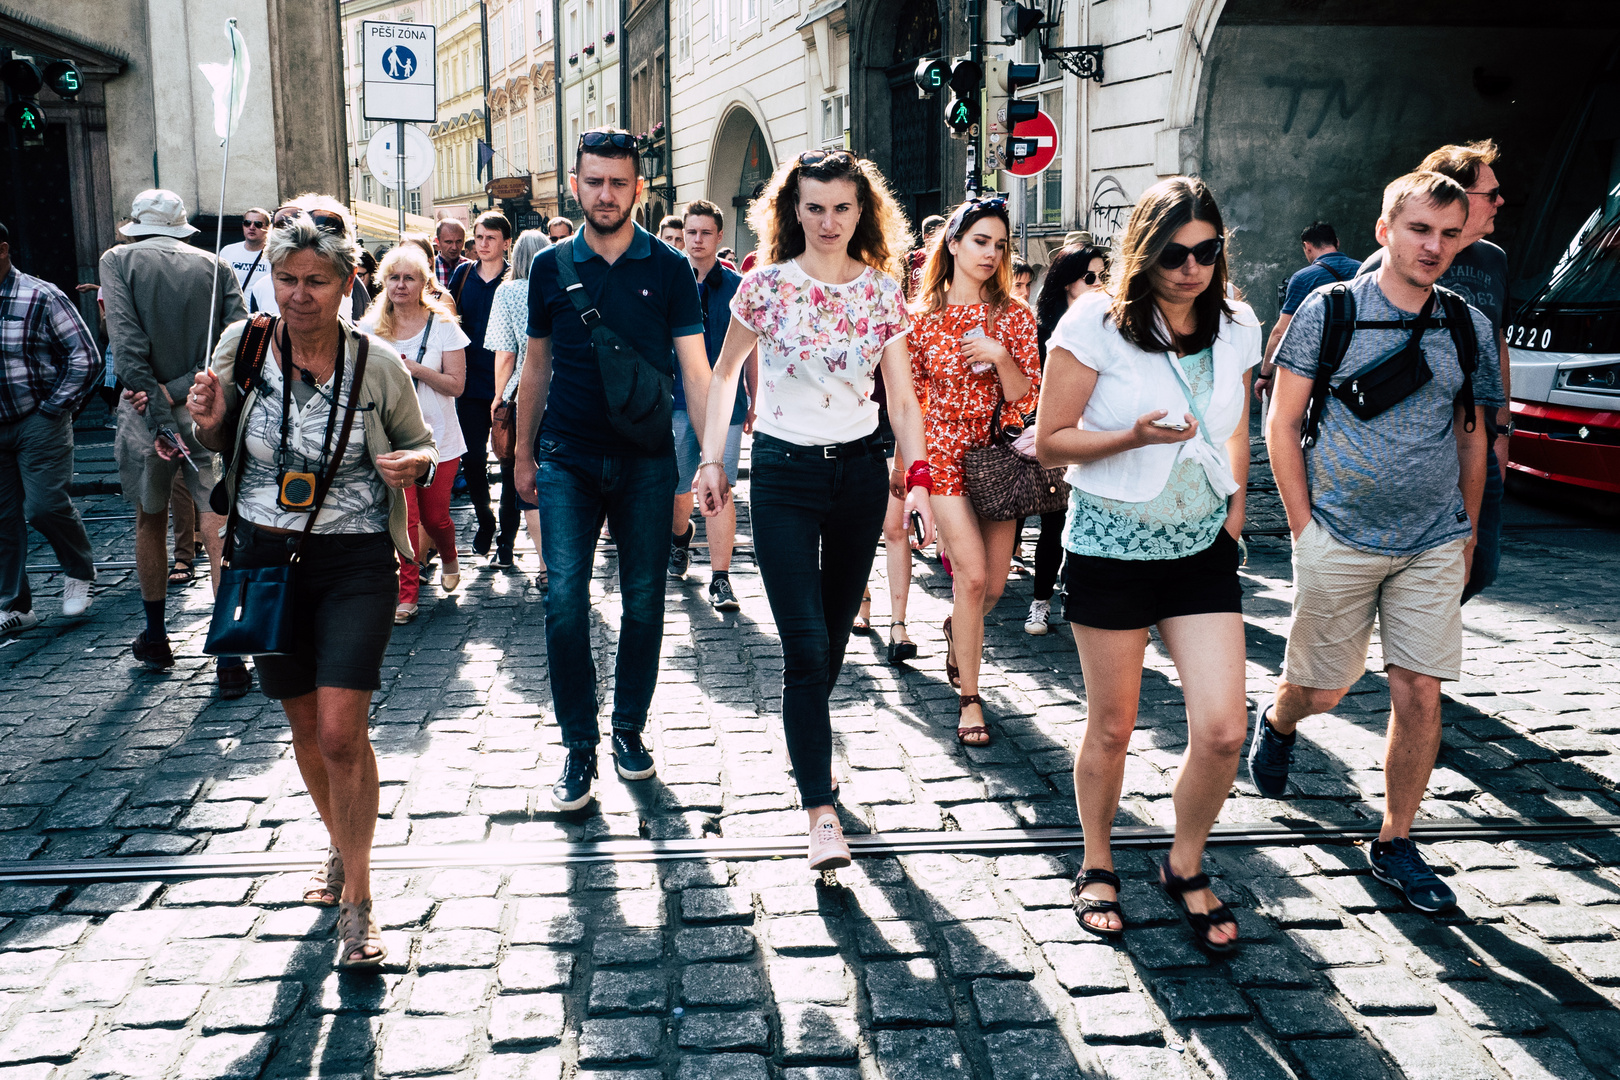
(640, 398)
(253, 609)
(1395, 377)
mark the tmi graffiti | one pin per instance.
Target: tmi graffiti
(1334, 92)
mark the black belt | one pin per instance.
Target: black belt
(872, 446)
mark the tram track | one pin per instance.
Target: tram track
(877, 845)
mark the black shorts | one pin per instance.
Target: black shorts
(344, 591)
(1130, 594)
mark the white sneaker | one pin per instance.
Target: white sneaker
(14, 622)
(75, 597)
(1038, 612)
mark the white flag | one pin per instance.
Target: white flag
(229, 82)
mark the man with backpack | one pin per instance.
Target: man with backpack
(1326, 264)
(1383, 380)
(613, 320)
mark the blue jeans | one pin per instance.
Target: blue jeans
(576, 491)
(1488, 549)
(816, 526)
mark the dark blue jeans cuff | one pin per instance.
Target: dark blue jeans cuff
(827, 798)
(629, 725)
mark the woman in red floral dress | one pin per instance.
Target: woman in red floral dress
(972, 345)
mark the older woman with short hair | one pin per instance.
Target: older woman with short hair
(295, 417)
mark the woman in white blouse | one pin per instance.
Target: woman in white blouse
(1147, 396)
(825, 308)
(421, 326)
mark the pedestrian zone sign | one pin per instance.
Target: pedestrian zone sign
(400, 71)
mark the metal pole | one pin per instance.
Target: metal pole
(489, 137)
(1021, 190)
(974, 139)
(219, 222)
(399, 149)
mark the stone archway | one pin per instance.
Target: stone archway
(740, 162)
(902, 133)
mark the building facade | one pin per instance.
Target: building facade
(144, 118)
(645, 77)
(375, 204)
(590, 94)
(523, 105)
(459, 186)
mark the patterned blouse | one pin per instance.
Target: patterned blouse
(1183, 519)
(508, 329)
(819, 348)
(358, 501)
(953, 391)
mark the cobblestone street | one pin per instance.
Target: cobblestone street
(912, 967)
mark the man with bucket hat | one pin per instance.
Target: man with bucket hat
(157, 289)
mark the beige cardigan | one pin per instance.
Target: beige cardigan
(394, 424)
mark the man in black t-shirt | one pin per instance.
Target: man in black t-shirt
(578, 469)
(473, 286)
(1480, 273)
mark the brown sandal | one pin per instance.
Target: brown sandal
(952, 672)
(357, 932)
(325, 887)
(963, 733)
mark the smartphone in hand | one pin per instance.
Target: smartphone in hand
(917, 527)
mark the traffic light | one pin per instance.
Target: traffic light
(23, 114)
(1017, 21)
(962, 114)
(63, 78)
(931, 76)
(1002, 81)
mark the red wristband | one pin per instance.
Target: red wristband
(919, 475)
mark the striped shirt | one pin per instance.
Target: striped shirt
(48, 358)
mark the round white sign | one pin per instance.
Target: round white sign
(382, 156)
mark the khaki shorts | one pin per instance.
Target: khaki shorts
(147, 478)
(1339, 589)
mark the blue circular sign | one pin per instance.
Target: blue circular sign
(399, 63)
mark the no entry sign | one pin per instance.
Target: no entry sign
(400, 71)
(1032, 146)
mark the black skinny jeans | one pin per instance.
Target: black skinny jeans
(816, 525)
(1048, 553)
(473, 413)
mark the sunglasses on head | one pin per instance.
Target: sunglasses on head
(593, 139)
(1174, 255)
(325, 220)
(994, 204)
(822, 157)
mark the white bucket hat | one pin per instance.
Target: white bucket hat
(158, 212)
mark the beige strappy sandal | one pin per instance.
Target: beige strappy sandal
(325, 886)
(357, 932)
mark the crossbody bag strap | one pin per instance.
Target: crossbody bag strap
(254, 344)
(427, 332)
(573, 288)
(325, 483)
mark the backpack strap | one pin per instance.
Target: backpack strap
(1466, 341)
(253, 344)
(1338, 327)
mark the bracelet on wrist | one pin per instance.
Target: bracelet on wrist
(705, 464)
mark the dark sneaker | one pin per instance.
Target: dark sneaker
(679, 559)
(1270, 754)
(1399, 865)
(503, 558)
(484, 536)
(154, 654)
(573, 789)
(633, 760)
(234, 682)
(721, 596)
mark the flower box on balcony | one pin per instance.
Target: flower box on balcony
(573, 58)
(590, 50)
(609, 38)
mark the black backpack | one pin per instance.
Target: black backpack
(1340, 326)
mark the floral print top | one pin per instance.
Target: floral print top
(943, 377)
(819, 347)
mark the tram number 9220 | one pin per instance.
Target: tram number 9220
(1528, 337)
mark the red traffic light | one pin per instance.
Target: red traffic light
(965, 76)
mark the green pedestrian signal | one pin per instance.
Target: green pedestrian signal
(962, 115)
(27, 119)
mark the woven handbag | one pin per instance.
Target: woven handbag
(1005, 485)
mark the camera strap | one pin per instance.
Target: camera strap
(286, 398)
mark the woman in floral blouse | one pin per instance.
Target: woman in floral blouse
(972, 348)
(826, 309)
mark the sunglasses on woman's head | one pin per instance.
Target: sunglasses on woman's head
(620, 139)
(1206, 253)
(325, 220)
(992, 204)
(812, 158)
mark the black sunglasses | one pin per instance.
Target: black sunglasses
(325, 220)
(994, 204)
(1091, 277)
(592, 139)
(1206, 253)
(249, 223)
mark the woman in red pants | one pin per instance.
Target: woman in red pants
(421, 326)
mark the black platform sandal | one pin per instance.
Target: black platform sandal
(1201, 922)
(1089, 905)
(900, 651)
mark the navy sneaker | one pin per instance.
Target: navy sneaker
(679, 559)
(1270, 754)
(633, 760)
(1398, 864)
(573, 788)
(721, 598)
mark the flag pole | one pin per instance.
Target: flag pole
(224, 171)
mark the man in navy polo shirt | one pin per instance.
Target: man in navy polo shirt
(1326, 265)
(567, 449)
(473, 286)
